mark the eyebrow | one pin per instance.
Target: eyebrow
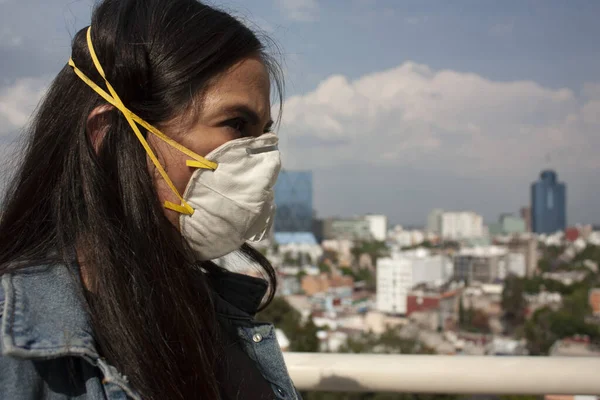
(247, 112)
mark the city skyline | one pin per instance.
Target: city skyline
(396, 107)
(489, 219)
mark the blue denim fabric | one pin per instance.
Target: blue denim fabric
(47, 349)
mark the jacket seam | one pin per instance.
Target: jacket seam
(10, 347)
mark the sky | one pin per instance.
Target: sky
(397, 107)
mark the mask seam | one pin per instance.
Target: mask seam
(229, 198)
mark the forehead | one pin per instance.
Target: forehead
(245, 83)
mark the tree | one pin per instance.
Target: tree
(305, 338)
(365, 275)
(288, 259)
(281, 314)
(544, 265)
(480, 322)
(373, 248)
(308, 258)
(577, 304)
(513, 302)
(389, 342)
(302, 337)
(425, 244)
(547, 326)
(538, 332)
(591, 252)
(330, 255)
(301, 274)
(462, 316)
(324, 268)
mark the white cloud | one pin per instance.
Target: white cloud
(459, 123)
(17, 102)
(591, 90)
(300, 10)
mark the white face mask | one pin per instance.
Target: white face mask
(229, 198)
(235, 202)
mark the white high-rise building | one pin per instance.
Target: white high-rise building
(517, 265)
(434, 221)
(484, 264)
(461, 225)
(397, 275)
(455, 225)
(394, 281)
(427, 268)
(403, 238)
(378, 226)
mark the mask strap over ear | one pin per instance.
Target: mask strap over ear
(114, 99)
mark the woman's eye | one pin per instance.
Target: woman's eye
(238, 124)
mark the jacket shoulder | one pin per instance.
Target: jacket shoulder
(29, 375)
(15, 372)
(57, 378)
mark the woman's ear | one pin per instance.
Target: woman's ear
(97, 125)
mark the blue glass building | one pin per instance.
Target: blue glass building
(548, 204)
(294, 200)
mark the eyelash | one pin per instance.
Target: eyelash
(235, 123)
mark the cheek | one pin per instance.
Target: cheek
(179, 172)
(174, 164)
(202, 139)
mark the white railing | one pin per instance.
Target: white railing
(444, 374)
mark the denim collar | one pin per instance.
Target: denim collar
(45, 314)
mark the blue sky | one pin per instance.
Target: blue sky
(551, 42)
(397, 106)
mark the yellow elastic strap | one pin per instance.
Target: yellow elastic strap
(194, 164)
(198, 162)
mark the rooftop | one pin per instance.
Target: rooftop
(306, 238)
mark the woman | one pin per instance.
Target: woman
(150, 156)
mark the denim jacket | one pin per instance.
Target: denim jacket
(47, 348)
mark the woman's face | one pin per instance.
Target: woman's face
(235, 105)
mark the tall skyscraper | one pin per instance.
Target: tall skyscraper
(548, 204)
(294, 201)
